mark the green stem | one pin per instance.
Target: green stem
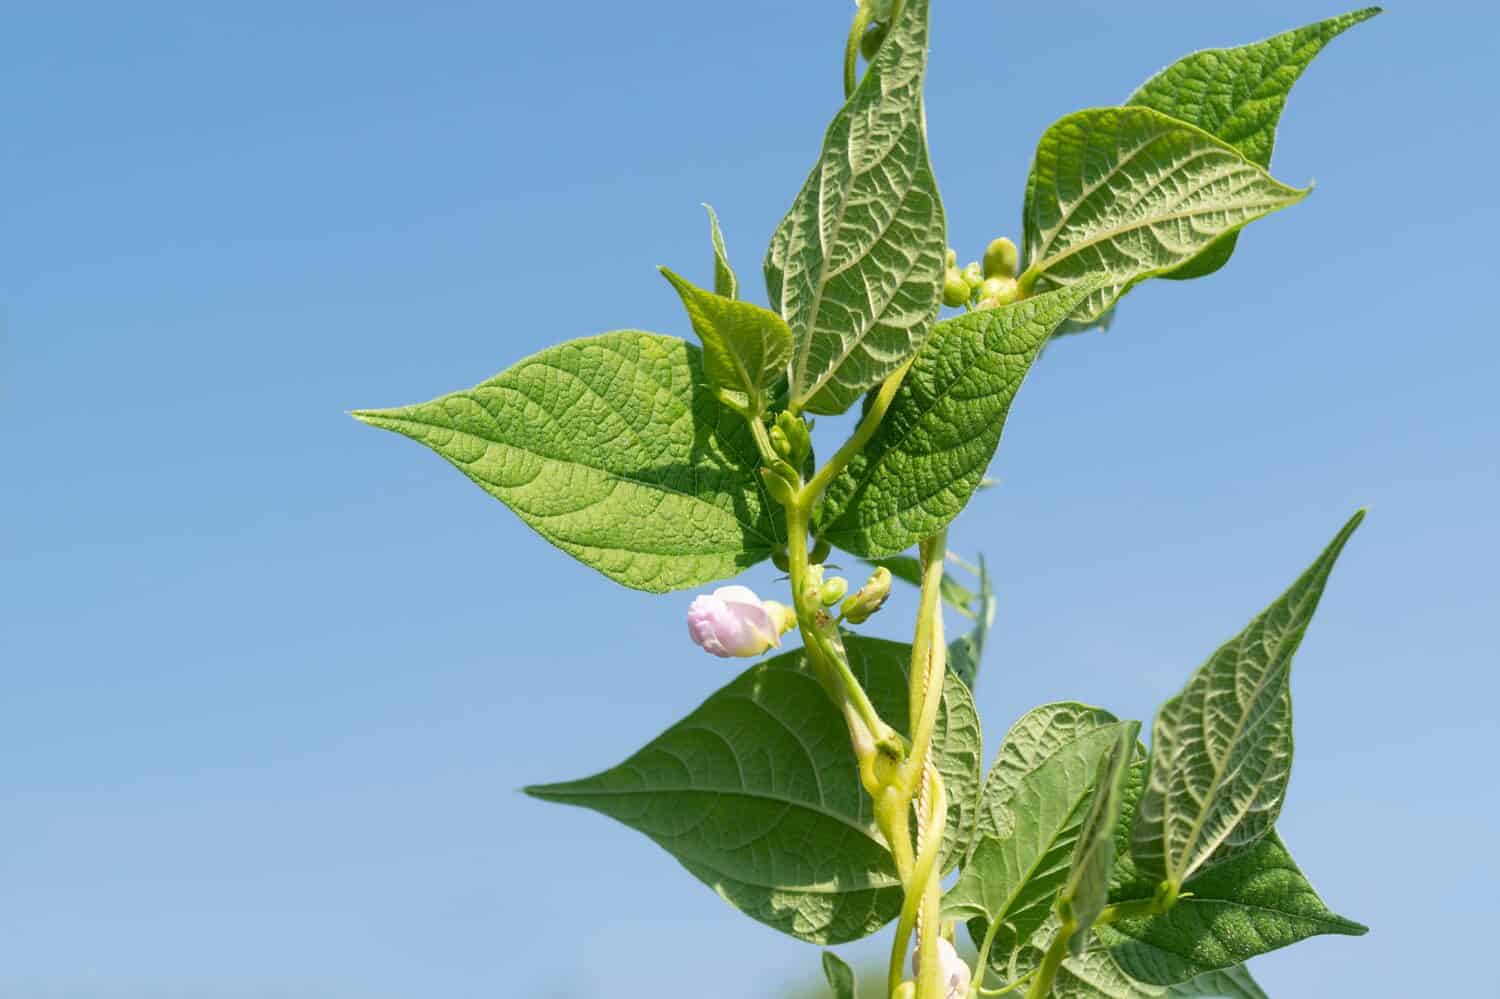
(768, 453)
(820, 640)
(929, 657)
(1041, 985)
(920, 885)
(982, 966)
(861, 436)
(1007, 989)
(851, 48)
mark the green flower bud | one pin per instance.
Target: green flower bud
(779, 443)
(780, 560)
(973, 276)
(955, 289)
(950, 259)
(833, 591)
(1000, 259)
(869, 598)
(797, 435)
(870, 41)
(906, 990)
(820, 552)
(998, 291)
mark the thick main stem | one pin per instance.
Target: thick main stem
(928, 666)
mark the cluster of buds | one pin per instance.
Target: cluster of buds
(984, 285)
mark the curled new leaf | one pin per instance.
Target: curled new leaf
(745, 347)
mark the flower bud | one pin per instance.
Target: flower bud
(779, 443)
(955, 288)
(955, 973)
(833, 591)
(798, 436)
(781, 560)
(868, 598)
(820, 552)
(950, 259)
(870, 41)
(973, 276)
(733, 621)
(1000, 259)
(906, 990)
(998, 291)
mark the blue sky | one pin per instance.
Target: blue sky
(269, 679)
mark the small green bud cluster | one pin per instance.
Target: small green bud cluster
(792, 438)
(985, 285)
(868, 598)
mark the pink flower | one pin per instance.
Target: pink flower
(733, 621)
(955, 972)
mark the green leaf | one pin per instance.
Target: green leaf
(1085, 893)
(840, 976)
(757, 793)
(1238, 94)
(1095, 975)
(938, 437)
(745, 347)
(856, 266)
(1221, 750)
(614, 449)
(726, 284)
(965, 651)
(1254, 904)
(1014, 877)
(1124, 194)
(1031, 741)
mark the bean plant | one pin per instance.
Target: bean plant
(833, 789)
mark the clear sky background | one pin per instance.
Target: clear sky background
(269, 679)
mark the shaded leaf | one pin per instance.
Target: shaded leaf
(1252, 905)
(1085, 893)
(965, 651)
(840, 976)
(1014, 877)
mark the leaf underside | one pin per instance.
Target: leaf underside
(942, 429)
(757, 793)
(1124, 194)
(856, 266)
(1221, 750)
(1238, 94)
